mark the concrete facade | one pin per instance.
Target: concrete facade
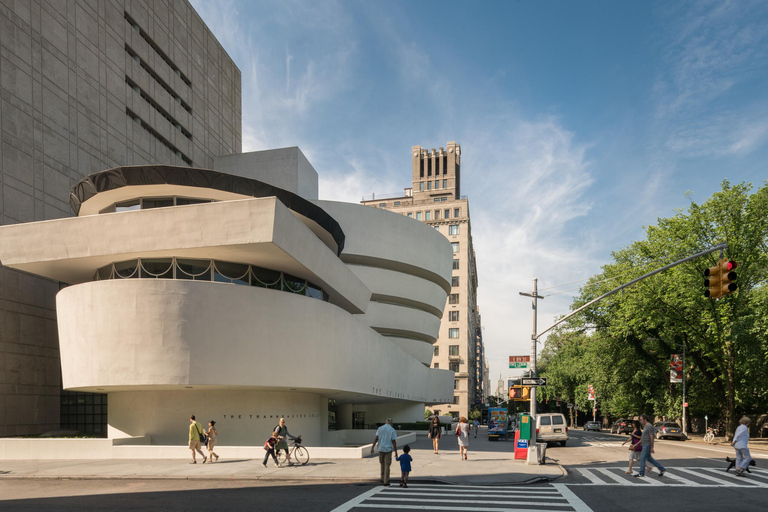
(171, 310)
(435, 199)
(86, 86)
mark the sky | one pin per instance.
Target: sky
(580, 123)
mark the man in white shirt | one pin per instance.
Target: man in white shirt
(739, 443)
(386, 439)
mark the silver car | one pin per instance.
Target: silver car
(668, 429)
(592, 425)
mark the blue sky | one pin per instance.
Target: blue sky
(580, 122)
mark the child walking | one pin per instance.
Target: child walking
(405, 465)
(269, 446)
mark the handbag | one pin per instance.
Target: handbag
(458, 431)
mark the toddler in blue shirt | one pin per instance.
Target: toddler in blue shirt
(405, 465)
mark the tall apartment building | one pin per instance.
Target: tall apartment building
(435, 199)
(87, 86)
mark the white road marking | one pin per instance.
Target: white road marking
(481, 499)
(573, 500)
(684, 481)
(612, 476)
(587, 473)
(354, 502)
(742, 480)
(697, 473)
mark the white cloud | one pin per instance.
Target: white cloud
(708, 51)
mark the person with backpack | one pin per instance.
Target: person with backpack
(282, 440)
(269, 446)
(195, 439)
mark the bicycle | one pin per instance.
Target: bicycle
(709, 437)
(298, 453)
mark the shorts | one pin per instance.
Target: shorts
(194, 444)
(633, 455)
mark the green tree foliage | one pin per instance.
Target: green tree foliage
(623, 344)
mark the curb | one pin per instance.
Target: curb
(284, 478)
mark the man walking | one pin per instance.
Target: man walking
(386, 438)
(194, 439)
(646, 441)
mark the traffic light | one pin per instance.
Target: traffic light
(519, 393)
(720, 279)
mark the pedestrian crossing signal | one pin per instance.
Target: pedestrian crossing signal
(520, 393)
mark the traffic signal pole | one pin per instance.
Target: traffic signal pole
(720, 247)
(534, 296)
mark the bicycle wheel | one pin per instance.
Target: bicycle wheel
(301, 455)
(281, 457)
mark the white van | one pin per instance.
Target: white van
(551, 428)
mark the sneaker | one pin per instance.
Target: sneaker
(401, 484)
(638, 475)
(204, 461)
(386, 484)
(217, 458)
(661, 473)
(405, 485)
(193, 462)
(264, 464)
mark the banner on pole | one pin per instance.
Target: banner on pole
(676, 368)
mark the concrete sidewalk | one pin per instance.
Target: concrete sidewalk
(489, 463)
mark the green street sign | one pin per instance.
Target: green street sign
(518, 365)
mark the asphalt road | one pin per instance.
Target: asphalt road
(596, 462)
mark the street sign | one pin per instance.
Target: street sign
(519, 361)
(570, 406)
(541, 381)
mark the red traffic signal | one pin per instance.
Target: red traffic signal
(720, 279)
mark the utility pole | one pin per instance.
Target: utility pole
(534, 338)
(685, 405)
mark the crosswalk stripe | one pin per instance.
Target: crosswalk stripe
(493, 494)
(451, 489)
(460, 509)
(587, 473)
(489, 487)
(757, 473)
(615, 478)
(475, 501)
(677, 478)
(698, 474)
(555, 498)
(742, 481)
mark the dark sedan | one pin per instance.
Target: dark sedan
(622, 426)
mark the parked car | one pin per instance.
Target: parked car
(592, 425)
(551, 428)
(668, 429)
(622, 426)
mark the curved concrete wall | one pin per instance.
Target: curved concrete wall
(402, 288)
(388, 240)
(421, 350)
(403, 321)
(165, 335)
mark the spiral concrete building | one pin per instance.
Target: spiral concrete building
(240, 299)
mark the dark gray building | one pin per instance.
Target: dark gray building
(86, 86)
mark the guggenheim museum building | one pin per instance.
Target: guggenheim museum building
(236, 295)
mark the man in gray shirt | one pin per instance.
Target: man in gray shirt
(646, 441)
